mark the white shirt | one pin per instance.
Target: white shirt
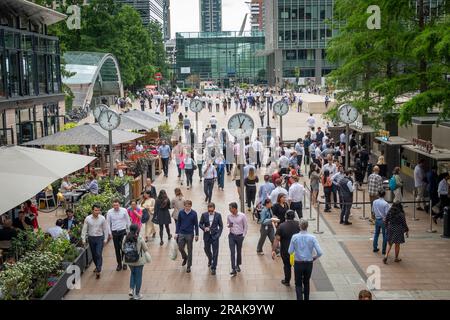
(274, 194)
(311, 122)
(139, 147)
(210, 142)
(95, 227)
(257, 145)
(213, 121)
(299, 149)
(418, 176)
(313, 136)
(287, 152)
(342, 138)
(443, 188)
(210, 172)
(58, 232)
(318, 152)
(296, 192)
(118, 220)
(284, 162)
(330, 167)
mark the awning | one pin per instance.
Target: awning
(131, 123)
(145, 115)
(394, 141)
(86, 134)
(31, 10)
(436, 154)
(26, 171)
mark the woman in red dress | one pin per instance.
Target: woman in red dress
(31, 210)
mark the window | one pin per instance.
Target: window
(12, 71)
(329, 33)
(314, 32)
(50, 119)
(3, 132)
(308, 13)
(301, 35)
(42, 76)
(308, 34)
(302, 54)
(301, 13)
(55, 73)
(294, 13)
(284, 15)
(49, 74)
(2, 86)
(322, 34)
(294, 35)
(291, 54)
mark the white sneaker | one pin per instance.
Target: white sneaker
(138, 297)
(131, 293)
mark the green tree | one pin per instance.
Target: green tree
(156, 35)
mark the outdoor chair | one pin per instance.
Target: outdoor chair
(48, 196)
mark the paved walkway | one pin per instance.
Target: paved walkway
(339, 274)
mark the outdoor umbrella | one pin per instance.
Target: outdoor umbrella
(86, 134)
(128, 122)
(24, 172)
(145, 115)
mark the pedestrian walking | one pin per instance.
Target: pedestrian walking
(237, 223)
(262, 114)
(162, 215)
(150, 188)
(189, 167)
(315, 185)
(135, 214)
(281, 207)
(119, 223)
(295, 197)
(396, 228)
(148, 208)
(187, 225)
(303, 246)
(177, 204)
(283, 237)
(380, 209)
(137, 250)
(210, 174)
(346, 189)
(212, 225)
(374, 186)
(165, 153)
(250, 189)
(420, 183)
(258, 148)
(96, 232)
(219, 163)
(327, 187)
(267, 229)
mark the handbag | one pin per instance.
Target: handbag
(148, 257)
(194, 166)
(292, 259)
(155, 219)
(145, 216)
(173, 252)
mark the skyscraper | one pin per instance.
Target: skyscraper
(257, 14)
(210, 15)
(166, 16)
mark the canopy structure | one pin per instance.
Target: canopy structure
(26, 171)
(86, 134)
(131, 123)
(145, 115)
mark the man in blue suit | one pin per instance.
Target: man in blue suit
(212, 226)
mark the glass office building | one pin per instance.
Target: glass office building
(210, 15)
(297, 37)
(223, 57)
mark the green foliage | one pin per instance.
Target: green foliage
(165, 131)
(27, 241)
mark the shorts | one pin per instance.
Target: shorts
(238, 183)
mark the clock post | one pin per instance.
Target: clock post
(281, 108)
(111, 163)
(347, 134)
(347, 114)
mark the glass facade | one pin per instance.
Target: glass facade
(220, 56)
(211, 15)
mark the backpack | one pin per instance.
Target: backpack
(145, 216)
(392, 183)
(130, 252)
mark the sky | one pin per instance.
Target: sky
(185, 15)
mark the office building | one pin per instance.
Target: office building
(210, 15)
(31, 99)
(256, 15)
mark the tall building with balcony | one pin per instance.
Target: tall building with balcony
(296, 38)
(210, 15)
(31, 98)
(256, 15)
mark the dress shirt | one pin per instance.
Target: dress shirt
(265, 191)
(443, 188)
(299, 149)
(274, 194)
(58, 232)
(380, 208)
(284, 162)
(213, 121)
(210, 142)
(342, 138)
(418, 176)
(374, 184)
(257, 146)
(303, 244)
(318, 152)
(337, 177)
(312, 148)
(311, 122)
(330, 167)
(92, 187)
(95, 227)
(210, 172)
(239, 224)
(296, 192)
(211, 218)
(187, 222)
(186, 122)
(164, 151)
(118, 220)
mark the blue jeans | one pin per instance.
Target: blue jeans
(379, 224)
(221, 178)
(136, 278)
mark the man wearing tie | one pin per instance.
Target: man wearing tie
(212, 226)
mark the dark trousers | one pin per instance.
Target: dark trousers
(327, 191)
(142, 107)
(183, 240)
(212, 251)
(208, 187)
(297, 207)
(235, 243)
(303, 271)
(265, 231)
(200, 171)
(165, 164)
(189, 174)
(299, 160)
(258, 159)
(161, 230)
(285, 256)
(262, 121)
(117, 240)
(307, 159)
(96, 246)
(345, 209)
(229, 167)
(250, 193)
(334, 192)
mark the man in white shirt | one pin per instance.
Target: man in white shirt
(279, 189)
(57, 231)
(295, 198)
(330, 166)
(96, 232)
(258, 147)
(210, 175)
(300, 151)
(139, 147)
(283, 163)
(119, 223)
(213, 123)
(313, 134)
(311, 121)
(342, 137)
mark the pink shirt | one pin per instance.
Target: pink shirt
(239, 224)
(135, 219)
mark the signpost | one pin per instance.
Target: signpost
(158, 77)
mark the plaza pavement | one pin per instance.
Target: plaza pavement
(339, 274)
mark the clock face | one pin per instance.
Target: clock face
(98, 109)
(347, 113)
(281, 108)
(196, 105)
(241, 125)
(109, 119)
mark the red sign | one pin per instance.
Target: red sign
(158, 76)
(423, 144)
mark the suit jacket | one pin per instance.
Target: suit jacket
(216, 227)
(66, 223)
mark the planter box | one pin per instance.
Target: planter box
(125, 190)
(81, 261)
(88, 257)
(58, 291)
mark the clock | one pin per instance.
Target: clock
(196, 105)
(347, 113)
(109, 119)
(98, 109)
(241, 125)
(281, 108)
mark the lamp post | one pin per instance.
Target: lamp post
(267, 95)
(166, 104)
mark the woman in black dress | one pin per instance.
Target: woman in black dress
(162, 214)
(396, 228)
(281, 207)
(250, 189)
